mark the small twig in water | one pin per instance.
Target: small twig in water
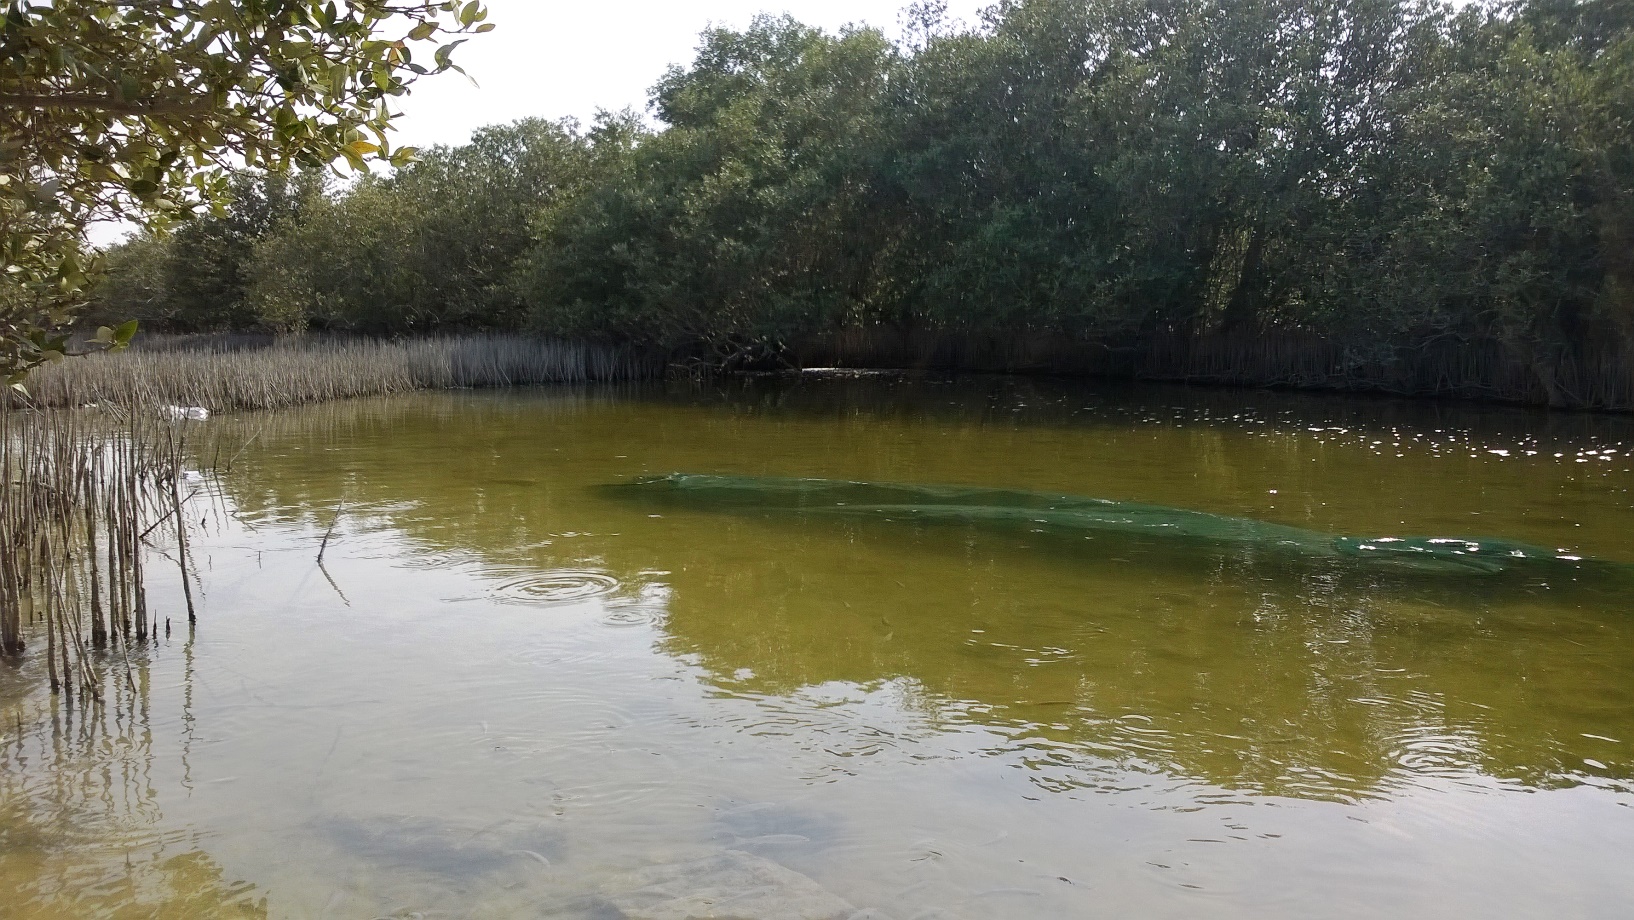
(324, 546)
(168, 514)
(331, 579)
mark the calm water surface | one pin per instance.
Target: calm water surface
(512, 695)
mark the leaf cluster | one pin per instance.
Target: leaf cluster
(143, 110)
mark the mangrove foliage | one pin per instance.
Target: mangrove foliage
(1412, 196)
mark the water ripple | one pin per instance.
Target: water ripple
(431, 559)
(632, 616)
(559, 586)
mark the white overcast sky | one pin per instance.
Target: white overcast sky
(556, 59)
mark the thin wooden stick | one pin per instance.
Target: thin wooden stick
(324, 546)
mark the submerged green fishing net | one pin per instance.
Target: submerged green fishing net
(1039, 512)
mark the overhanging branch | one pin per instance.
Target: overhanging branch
(105, 103)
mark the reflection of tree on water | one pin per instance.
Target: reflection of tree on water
(1322, 684)
(79, 811)
(1311, 680)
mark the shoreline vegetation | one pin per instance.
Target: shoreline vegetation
(1425, 199)
(88, 501)
(252, 371)
(234, 373)
(99, 472)
(1599, 378)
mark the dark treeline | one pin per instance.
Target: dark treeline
(1368, 193)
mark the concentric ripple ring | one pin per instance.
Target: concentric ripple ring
(559, 586)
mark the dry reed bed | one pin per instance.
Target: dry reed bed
(84, 497)
(92, 465)
(297, 371)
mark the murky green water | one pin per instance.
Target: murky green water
(516, 694)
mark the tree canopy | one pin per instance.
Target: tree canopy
(1390, 179)
(144, 110)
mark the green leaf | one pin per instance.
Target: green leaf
(262, 84)
(354, 159)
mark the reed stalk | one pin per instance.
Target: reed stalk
(92, 462)
(80, 494)
(225, 374)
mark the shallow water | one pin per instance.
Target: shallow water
(512, 693)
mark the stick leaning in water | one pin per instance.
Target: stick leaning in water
(324, 547)
(1068, 515)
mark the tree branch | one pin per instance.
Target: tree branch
(103, 103)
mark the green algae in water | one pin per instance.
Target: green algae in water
(1070, 515)
(940, 716)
